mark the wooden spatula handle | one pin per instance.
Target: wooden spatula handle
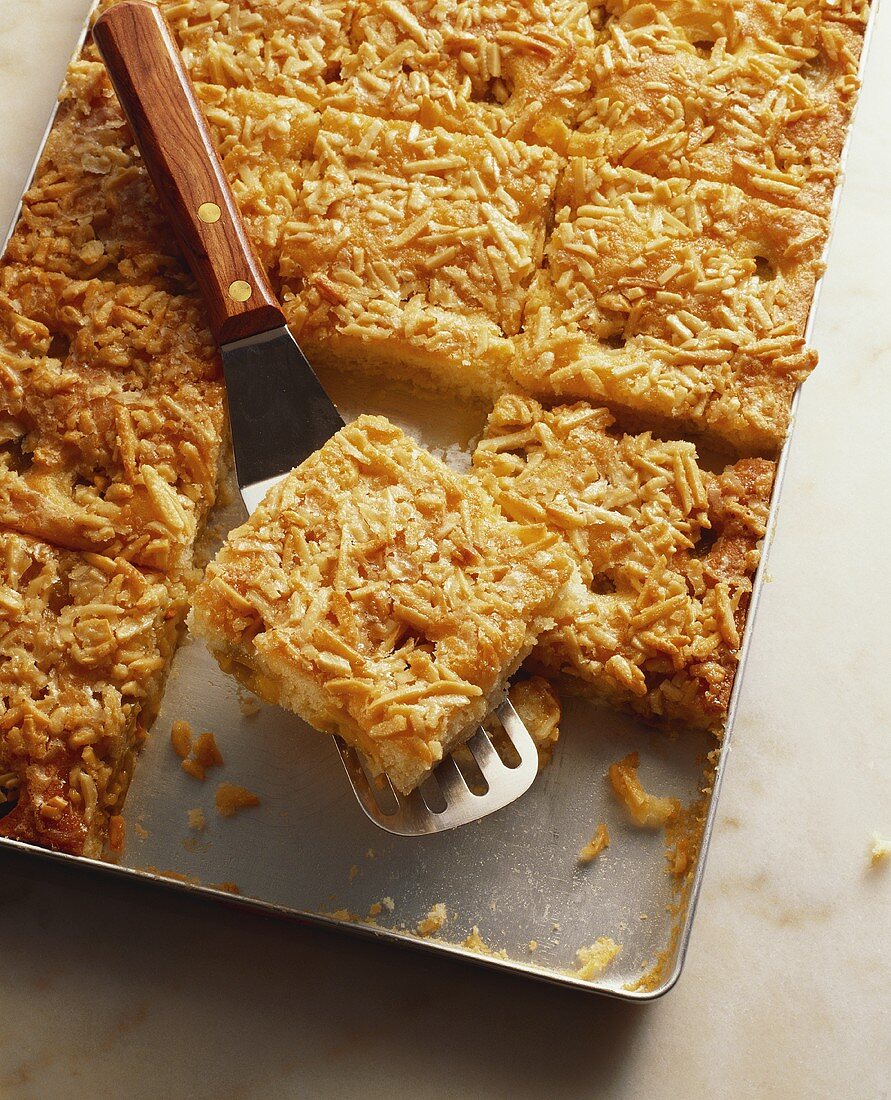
(159, 101)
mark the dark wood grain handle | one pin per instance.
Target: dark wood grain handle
(159, 101)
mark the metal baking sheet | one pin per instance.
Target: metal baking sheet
(308, 850)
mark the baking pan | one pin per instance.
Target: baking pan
(308, 851)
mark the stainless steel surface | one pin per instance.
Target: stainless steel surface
(445, 801)
(279, 412)
(309, 851)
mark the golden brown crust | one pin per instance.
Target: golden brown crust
(381, 596)
(84, 645)
(92, 211)
(757, 93)
(518, 70)
(664, 552)
(413, 249)
(675, 300)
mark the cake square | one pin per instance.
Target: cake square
(518, 70)
(380, 596)
(91, 210)
(112, 416)
(85, 642)
(286, 47)
(682, 302)
(664, 554)
(745, 92)
(415, 250)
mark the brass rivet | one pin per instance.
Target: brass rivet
(209, 212)
(240, 291)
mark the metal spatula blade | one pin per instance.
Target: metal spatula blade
(278, 410)
(422, 811)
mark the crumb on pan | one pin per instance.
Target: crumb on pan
(354, 871)
(207, 752)
(226, 887)
(230, 799)
(593, 960)
(434, 920)
(532, 945)
(197, 820)
(646, 809)
(595, 845)
(683, 833)
(116, 833)
(191, 767)
(475, 942)
(181, 738)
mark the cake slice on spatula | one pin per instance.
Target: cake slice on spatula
(373, 591)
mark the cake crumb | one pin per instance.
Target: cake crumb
(595, 845)
(370, 854)
(434, 920)
(376, 909)
(116, 833)
(532, 945)
(197, 820)
(181, 738)
(879, 850)
(248, 704)
(354, 870)
(389, 904)
(593, 960)
(193, 768)
(646, 810)
(230, 799)
(342, 914)
(207, 752)
(140, 830)
(227, 887)
(475, 942)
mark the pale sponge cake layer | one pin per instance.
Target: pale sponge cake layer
(382, 597)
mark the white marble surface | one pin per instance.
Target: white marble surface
(110, 989)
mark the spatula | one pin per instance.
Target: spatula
(278, 411)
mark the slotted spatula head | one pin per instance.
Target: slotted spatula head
(445, 800)
(278, 410)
